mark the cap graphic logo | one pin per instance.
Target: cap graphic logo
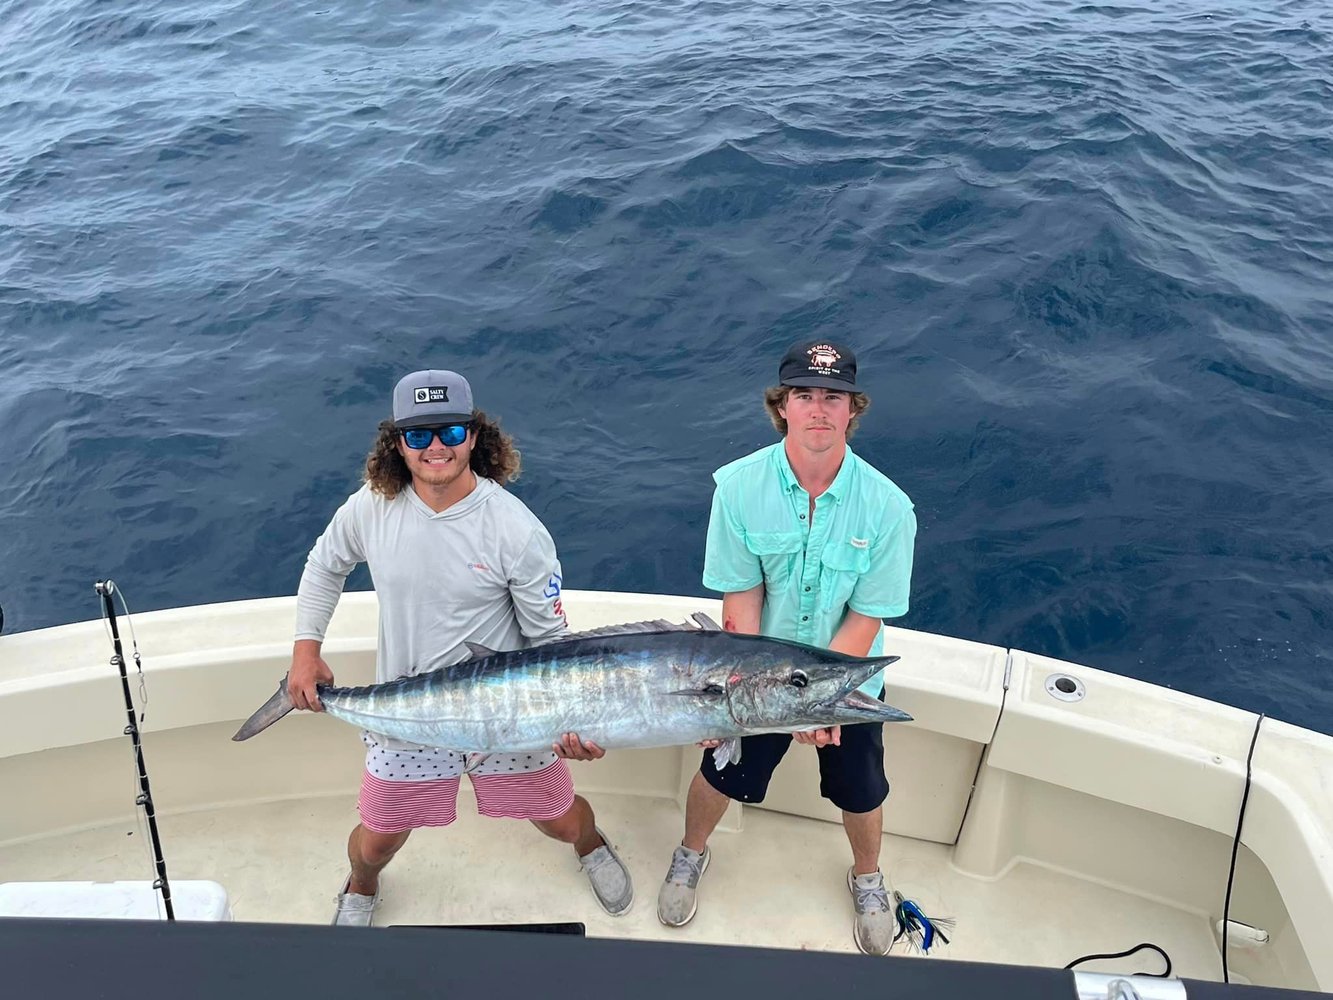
(430, 394)
(825, 358)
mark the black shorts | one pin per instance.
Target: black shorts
(851, 775)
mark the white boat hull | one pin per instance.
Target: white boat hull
(1050, 829)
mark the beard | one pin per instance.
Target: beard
(439, 475)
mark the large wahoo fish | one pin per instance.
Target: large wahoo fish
(646, 684)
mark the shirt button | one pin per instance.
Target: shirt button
(805, 618)
(807, 590)
(802, 517)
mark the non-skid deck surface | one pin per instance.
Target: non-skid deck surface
(781, 882)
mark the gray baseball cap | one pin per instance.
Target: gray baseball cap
(430, 398)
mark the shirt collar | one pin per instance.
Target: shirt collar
(785, 473)
(839, 488)
(842, 482)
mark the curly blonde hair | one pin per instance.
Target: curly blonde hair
(777, 396)
(493, 456)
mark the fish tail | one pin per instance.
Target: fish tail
(268, 713)
(922, 932)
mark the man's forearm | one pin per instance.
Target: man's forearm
(743, 610)
(316, 598)
(856, 634)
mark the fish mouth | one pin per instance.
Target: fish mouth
(857, 706)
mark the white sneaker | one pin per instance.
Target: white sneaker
(876, 926)
(609, 877)
(354, 909)
(678, 899)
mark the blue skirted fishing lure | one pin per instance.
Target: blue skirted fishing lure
(922, 932)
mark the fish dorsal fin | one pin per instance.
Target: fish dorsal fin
(476, 651)
(698, 622)
(704, 623)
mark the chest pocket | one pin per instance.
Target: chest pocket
(841, 565)
(779, 553)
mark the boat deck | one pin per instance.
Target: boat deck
(780, 882)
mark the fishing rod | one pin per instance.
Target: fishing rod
(105, 589)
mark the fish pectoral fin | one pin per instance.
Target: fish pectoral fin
(702, 695)
(478, 651)
(728, 753)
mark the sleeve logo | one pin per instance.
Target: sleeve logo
(553, 591)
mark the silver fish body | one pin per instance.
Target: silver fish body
(666, 687)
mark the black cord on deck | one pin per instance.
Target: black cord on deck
(1125, 954)
(1231, 878)
(1235, 849)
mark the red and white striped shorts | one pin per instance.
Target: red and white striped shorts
(523, 788)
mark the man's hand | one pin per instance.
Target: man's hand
(308, 669)
(571, 747)
(820, 737)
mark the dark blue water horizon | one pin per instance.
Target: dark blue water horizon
(1084, 252)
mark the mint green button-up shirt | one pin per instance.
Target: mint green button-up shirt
(855, 552)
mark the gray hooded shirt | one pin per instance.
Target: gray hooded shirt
(484, 570)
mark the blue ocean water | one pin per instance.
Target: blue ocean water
(1085, 252)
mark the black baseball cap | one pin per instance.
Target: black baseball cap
(819, 364)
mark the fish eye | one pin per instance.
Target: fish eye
(799, 678)
(712, 687)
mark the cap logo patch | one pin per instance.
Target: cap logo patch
(824, 359)
(430, 394)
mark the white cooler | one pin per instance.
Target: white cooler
(191, 900)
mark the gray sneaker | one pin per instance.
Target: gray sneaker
(678, 898)
(608, 877)
(354, 909)
(876, 925)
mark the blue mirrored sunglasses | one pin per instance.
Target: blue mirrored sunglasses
(418, 438)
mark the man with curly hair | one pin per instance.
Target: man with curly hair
(455, 558)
